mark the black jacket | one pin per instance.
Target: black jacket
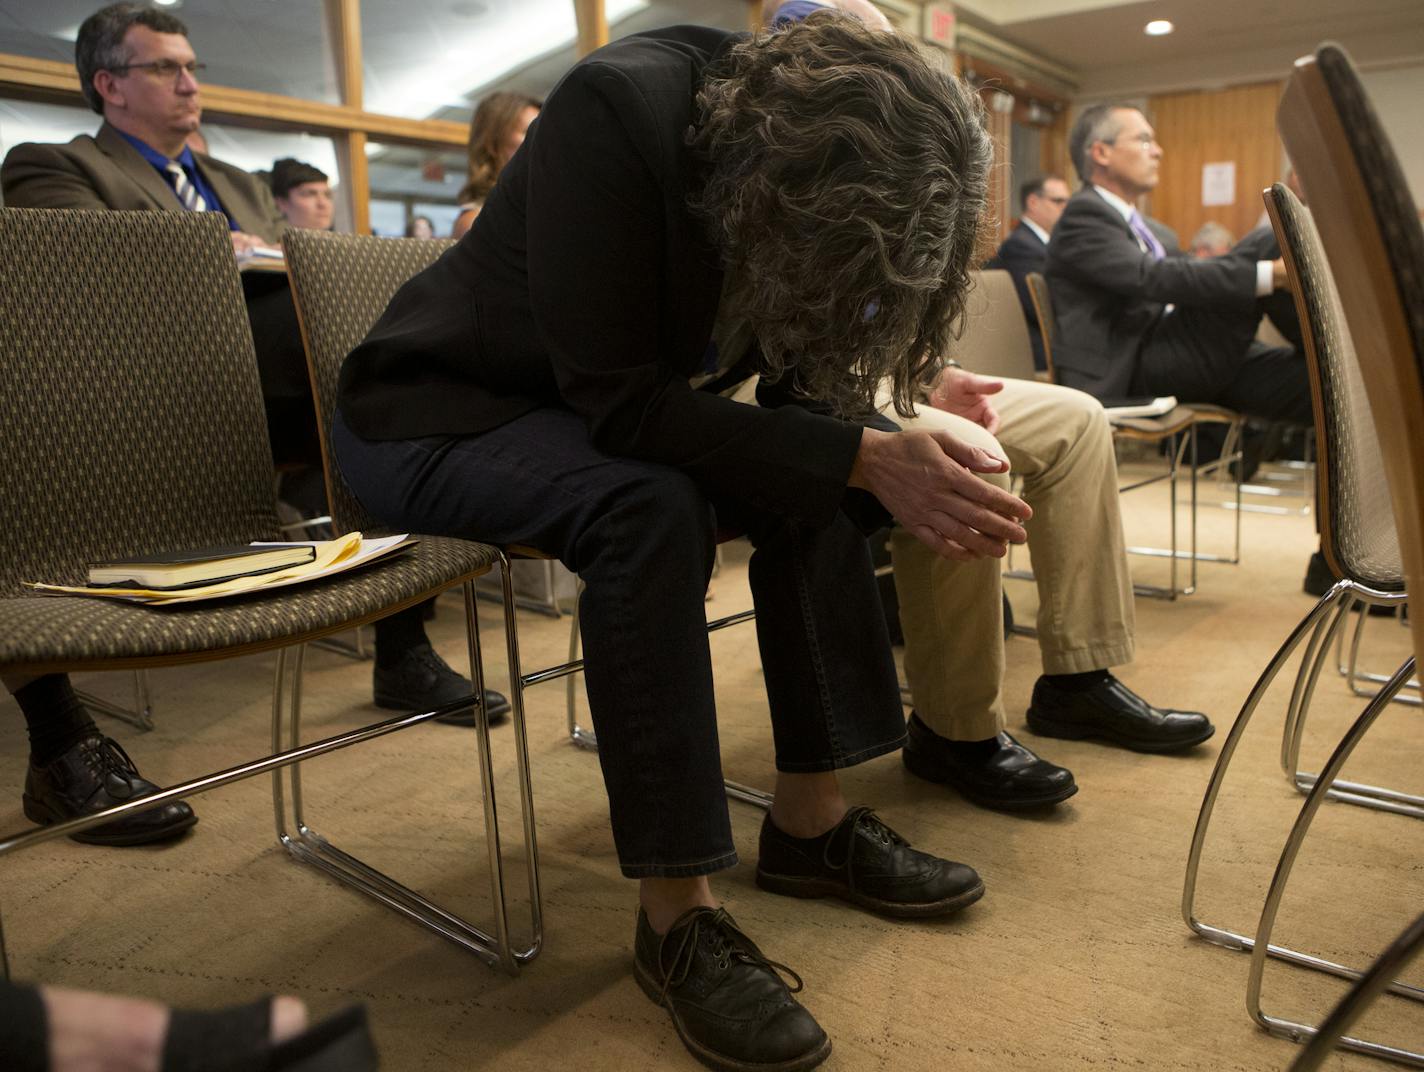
(586, 283)
(1024, 252)
(1108, 295)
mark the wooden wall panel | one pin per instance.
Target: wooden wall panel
(1236, 124)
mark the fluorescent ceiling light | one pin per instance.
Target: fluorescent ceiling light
(497, 45)
(1158, 27)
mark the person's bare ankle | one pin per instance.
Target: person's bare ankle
(665, 899)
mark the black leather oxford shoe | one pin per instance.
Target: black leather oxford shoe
(730, 1007)
(94, 774)
(1111, 711)
(1003, 774)
(421, 679)
(863, 861)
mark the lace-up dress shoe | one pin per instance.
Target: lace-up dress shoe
(863, 861)
(421, 680)
(94, 774)
(729, 1004)
(1001, 774)
(1111, 711)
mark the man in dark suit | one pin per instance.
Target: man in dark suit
(1026, 248)
(1135, 316)
(139, 72)
(692, 207)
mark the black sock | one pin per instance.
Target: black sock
(399, 633)
(54, 716)
(1077, 682)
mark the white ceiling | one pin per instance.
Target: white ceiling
(1216, 42)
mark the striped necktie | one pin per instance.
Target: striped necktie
(184, 188)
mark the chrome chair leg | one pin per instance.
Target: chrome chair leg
(1172, 590)
(274, 764)
(1354, 675)
(1219, 935)
(1261, 944)
(581, 737)
(140, 716)
(1331, 1034)
(308, 846)
(1347, 792)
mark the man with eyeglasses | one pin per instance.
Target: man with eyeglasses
(1026, 248)
(1137, 317)
(137, 70)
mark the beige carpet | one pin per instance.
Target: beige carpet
(1076, 958)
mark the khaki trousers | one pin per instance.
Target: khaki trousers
(1059, 443)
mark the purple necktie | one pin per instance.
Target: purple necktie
(1142, 231)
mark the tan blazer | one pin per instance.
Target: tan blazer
(106, 172)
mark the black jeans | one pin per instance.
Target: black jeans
(642, 537)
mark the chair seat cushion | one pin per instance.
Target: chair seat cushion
(42, 633)
(1170, 423)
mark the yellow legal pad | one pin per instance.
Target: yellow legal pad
(332, 557)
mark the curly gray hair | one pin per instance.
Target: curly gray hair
(846, 180)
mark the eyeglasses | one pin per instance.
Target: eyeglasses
(164, 69)
(1056, 200)
(1145, 140)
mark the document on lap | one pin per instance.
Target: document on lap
(329, 557)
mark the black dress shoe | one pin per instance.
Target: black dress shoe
(94, 774)
(1002, 774)
(1113, 712)
(729, 1005)
(863, 861)
(421, 680)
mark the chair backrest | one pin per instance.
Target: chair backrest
(131, 416)
(1357, 533)
(994, 340)
(1370, 230)
(1047, 325)
(341, 285)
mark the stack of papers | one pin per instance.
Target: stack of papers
(329, 557)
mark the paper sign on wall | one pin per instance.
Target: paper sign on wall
(1219, 183)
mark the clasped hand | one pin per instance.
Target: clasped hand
(927, 481)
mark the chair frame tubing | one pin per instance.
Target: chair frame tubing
(1330, 630)
(1397, 956)
(1290, 1029)
(140, 716)
(1353, 675)
(1180, 443)
(1221, 936)
(307, 845)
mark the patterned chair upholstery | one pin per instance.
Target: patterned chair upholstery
(131, 421)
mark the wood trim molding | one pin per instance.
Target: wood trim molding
(592, 18)
(344, 22)
(56, 82)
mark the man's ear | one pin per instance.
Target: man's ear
(108, 88)
(1099, 153)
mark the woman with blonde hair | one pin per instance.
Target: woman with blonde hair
(496, 130)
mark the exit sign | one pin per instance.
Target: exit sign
(939, 25)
